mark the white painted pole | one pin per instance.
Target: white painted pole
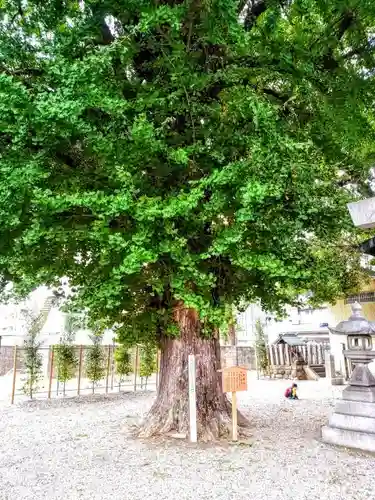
(192, 400)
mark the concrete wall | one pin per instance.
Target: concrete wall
(241, 356)
(6, 360)
(341, 311)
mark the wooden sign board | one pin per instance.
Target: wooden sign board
(234, 379)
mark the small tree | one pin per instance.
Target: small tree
(123, 362)
(147, 364)
(95, 361)
(66, 362)
(33, 361)
(261, 348)
(65, 352)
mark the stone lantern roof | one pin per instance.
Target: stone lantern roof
(356, 324)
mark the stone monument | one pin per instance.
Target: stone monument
(353, 421)
(331, 375)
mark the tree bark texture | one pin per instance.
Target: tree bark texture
(170, 411)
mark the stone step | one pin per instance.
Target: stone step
(320, 373)
(359, 408)
(348, 438)
(319, 370)
(352, 422)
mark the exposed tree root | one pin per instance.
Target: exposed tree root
(175, 421)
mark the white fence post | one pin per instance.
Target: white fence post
(192, 400)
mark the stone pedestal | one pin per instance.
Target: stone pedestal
(353, 421)
(329, 365)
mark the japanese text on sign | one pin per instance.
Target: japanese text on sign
(234, 379)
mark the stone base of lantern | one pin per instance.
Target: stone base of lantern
(350, 439)
(353, 422)
(359, 393)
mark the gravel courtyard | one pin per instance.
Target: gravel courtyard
(83, 449)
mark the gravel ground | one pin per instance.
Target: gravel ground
(83, 449)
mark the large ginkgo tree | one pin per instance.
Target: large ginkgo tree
(176, 158)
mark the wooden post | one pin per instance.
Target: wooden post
(281, 353)
(276, 354)
(287, 355)
(321, 357)
(51, 371)
(113, 366)
(192, 400)
(136, 367)
(234, 416)
(80, 370)
(108, 366)
(272, 358)
(14, 373)
(314, 354)
(157, 368)
(268, 361)
(256, 361)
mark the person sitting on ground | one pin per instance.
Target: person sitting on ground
(291, 392)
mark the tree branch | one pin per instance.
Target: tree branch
(254, 10)
(22, 72)
(105, 35)
(346, 22)
(241, 5)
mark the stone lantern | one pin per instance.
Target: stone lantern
(358, 332)
(353, 421)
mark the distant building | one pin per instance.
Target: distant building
(290, 339)
(13, 327)
(307, 323)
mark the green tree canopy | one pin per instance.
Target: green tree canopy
(195, 151)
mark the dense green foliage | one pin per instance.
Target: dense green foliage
(157, 151)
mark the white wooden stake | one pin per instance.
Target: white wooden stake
(192, 400)
(234, 416)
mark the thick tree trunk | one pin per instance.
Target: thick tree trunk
(170, 412)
